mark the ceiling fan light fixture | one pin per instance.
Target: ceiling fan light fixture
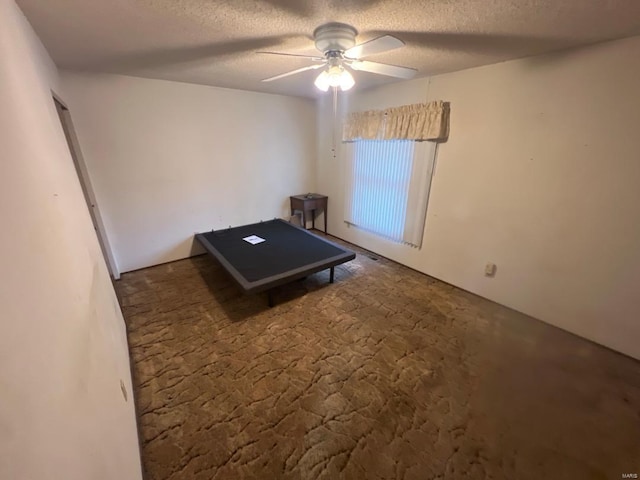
(335, 76)
(346, 81)
(322, 82)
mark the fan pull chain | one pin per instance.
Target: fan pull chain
(335, 120)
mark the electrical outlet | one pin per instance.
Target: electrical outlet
(490, 270)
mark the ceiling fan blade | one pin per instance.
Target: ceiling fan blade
(293, 72)
(383, 69)
(315, 58)
(377, 45)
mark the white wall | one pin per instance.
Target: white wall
(540, 176)
(63, 348)
(171, 159)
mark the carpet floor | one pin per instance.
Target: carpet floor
(385, 374)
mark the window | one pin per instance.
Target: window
(388, 185)
(382, 170)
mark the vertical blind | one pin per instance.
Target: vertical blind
(387, 187)
(382, 170)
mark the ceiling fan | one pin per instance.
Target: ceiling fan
(337, 42)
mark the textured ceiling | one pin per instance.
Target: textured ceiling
(214, 42)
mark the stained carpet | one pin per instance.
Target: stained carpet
(386, 374)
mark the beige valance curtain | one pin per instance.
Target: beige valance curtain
(424, 121)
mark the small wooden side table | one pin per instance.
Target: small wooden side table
(310, 203)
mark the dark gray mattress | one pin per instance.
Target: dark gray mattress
(288, 252)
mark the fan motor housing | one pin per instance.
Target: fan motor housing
(334, 37)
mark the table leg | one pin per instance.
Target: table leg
(331, 275)
(313, 219)
(304, 220)
(325, 220)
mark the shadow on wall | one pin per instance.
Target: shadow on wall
(560, 57)
(295, 219)
(196, 249)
